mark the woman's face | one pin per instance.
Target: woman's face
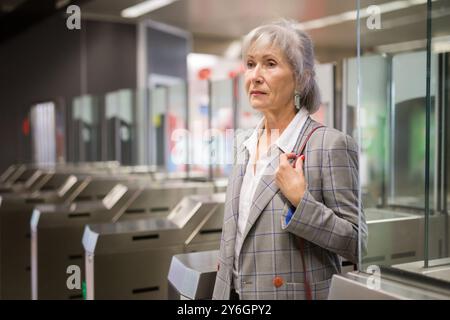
(269, 80)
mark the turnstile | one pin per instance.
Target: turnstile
(7, 173)
(192, 275)
(22, 180)
(390, 240)
(57, 235)
(131, 259)
(12, 174)
(388, 284)
(15, 214)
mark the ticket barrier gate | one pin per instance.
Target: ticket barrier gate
(15, 214)
(55, 238)
(11, 175)
(56, 235)
(29, 178)
(8, 175)
(22, 180)
(387, 283)
(131, 259)
(192, 276)
(390, 240)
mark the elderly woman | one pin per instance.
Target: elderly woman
(291, 208)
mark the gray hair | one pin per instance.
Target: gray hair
(299, 52)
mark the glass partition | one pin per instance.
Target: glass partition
(384, 110)
(120, 108)
(409, 98)
(157, 134)
(374, 119)
(84, 129)
(395, 105)
(437, 233)
(177, 121)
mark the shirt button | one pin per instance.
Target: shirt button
(218, 266)
(278, 282)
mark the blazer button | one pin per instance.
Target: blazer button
(278, 282)
(218, 266)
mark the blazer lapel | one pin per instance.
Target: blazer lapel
(267, 188)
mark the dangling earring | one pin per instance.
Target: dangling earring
(297, 100)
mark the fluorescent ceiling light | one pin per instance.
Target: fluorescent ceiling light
(352, 15)
(144, 7)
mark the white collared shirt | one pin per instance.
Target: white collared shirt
(286, 142)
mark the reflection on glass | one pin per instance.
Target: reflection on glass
(408, 130)
(373, 123)
(84, 130)
(158, 103)
(120, 126)
(177, 128)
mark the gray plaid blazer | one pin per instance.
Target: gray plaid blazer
(270, 263)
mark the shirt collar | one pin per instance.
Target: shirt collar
(286, 141)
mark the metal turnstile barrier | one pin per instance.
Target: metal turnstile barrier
(8, 173)
(192, 275)
(390, 240)
(57, 234)
(22, 180)
(57, 193)
(15, 214)
(388, 284)
(131, 259)
(11, 175)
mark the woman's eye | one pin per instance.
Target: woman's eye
(271, 64)
(249, 64)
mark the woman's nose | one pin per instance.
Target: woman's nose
(256, 76)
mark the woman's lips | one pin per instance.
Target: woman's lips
(256, 93)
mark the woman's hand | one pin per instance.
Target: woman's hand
(290, 179)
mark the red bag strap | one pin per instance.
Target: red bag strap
(302, 148)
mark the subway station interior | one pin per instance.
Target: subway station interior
(117, 125)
